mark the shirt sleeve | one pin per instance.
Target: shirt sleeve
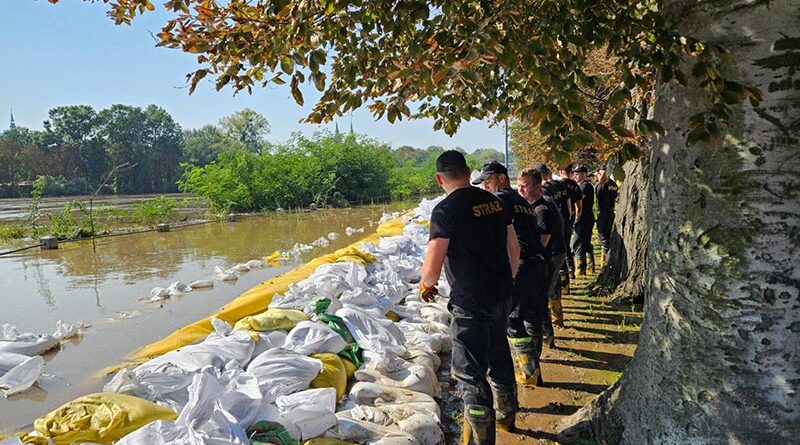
(442, 223)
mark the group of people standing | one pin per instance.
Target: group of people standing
(508, 255)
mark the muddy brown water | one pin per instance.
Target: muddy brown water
(106, 290)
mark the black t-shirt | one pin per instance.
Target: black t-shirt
(606, 198)
(557, 191)
(587, 214)
(574, 194)
(549, 222)
(476, 265)
(524, 219)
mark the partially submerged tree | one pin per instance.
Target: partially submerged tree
(716, 361)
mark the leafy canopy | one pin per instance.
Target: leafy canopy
(453, 60)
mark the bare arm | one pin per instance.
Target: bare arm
(513, 250)
(578, 209)
(434, 259)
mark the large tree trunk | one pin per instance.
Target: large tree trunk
(626, 262)
(718, 359)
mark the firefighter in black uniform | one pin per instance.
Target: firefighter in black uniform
(584, 222)
(529, 295)
(607, 191)
(472, 235)
(575, 198)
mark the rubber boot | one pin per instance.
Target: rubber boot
(547, 330)
(602, 259)
(571, 266)
(591, 262)
(557, 312)
(563, 277)
(527, 371)
(505, 407)
(581, 264)
(478, 426)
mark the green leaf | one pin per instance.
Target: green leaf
(287, 66)
(618, 98)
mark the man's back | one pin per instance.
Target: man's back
(476, 265)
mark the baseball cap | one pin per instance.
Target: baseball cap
(581, 169)
(450, 160)
(541, 168)
(489, 169)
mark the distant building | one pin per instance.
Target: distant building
(12, 125)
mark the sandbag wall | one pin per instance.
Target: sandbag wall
(337, 351)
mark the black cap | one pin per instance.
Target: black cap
(489, 169)
(567, 168)
(581, 169)
(450, 160)
(541, 168)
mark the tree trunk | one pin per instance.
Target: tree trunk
(626, 262)
(718, 360)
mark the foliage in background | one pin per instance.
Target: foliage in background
(156, 211)
(324, 169)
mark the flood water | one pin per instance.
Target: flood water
(106, 290)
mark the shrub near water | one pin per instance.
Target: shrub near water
(324, 169)
(156, 211)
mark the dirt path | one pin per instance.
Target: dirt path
(591, 352)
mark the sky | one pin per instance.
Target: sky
(72, 53)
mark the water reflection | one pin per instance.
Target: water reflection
(105, 289)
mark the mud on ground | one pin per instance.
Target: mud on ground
(591, 352)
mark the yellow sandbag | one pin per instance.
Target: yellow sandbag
(273, 259)
(350, 367)
(254, 300)
(275, 319)
(327, 441)
(392, 315)
(333, 375)
(102, 417)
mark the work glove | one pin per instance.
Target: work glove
(427, 293)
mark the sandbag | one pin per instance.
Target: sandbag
(333, 374)
(372, 394)
(327, 441)
(271, 320)
(374, 334)
(311, 411)
(366, 432)
(23, 375)
(310, 338)
(281, 372)
(420, 425)
(100, 417)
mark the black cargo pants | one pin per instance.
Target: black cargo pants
(481, 356)
(582, 242)
(529, 299)
(605, 223)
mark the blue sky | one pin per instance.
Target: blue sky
(72, 53)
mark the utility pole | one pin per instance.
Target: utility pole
(506, 122)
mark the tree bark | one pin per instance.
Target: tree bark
(718, 359)
(626, 262)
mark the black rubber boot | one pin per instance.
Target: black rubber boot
(527, 371)
(582, 264)
(505, 407)
(591, 262)
(478, 426)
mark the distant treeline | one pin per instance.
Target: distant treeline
(231, 163)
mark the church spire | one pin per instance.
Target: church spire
(12, 125)
(337, 128)
(351, 122)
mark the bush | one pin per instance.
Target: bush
(61, 186)
(156, 211)
(12, 231)
(325, 169)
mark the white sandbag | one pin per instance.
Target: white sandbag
(25, 343)
(10, 360)
(311, 411)
(321, 242)
(373, 394)
(23, 376)
(240, 268)
(201, 284)
(254, 264)
(359, 431)
(158, 293)
(373, 334)
(202, 421)
(268, 340)
(221, 274)
(281, 372)
(333, 236)
(11, 441)
(178, 288)
(220, 347)
(66, 331)
(411, 376)
(420, 425)
(165, 384)
(310, 338)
